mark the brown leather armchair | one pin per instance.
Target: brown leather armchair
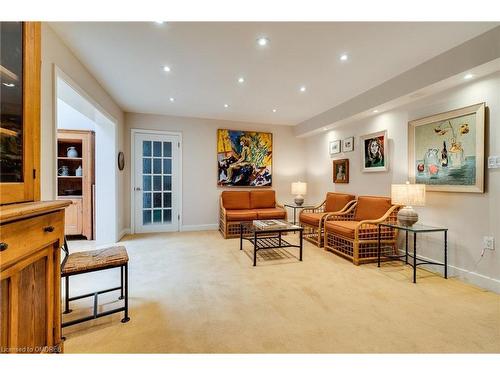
(353, 234)
(312, 219)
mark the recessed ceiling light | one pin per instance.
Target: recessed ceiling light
(274, 110)
(263, 41)
(375, 111)
(302, 89)
(344, 57)
(226, 105)
(468, 76)
(241, 80)
(160, 22)
(172, 99)
(166, 68)
(8, 84)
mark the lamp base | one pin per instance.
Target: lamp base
(407, 216)
(299, 200)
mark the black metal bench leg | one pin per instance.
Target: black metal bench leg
(67, 310)
(121, 283)
(126, 318)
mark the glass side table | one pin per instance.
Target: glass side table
(294, 207)
(416, 228)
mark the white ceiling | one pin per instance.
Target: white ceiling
(206, 60)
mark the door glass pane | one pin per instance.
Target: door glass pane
(146, 165)
(167, 216)
(156, 216)
(167, 183)
(157, 200)
(146, 183)
(157, 183)
(146, 217)
(11, 99)
(157, 166)
(167, 149)
(146, 148)
(167, 166)
(167, 200)
(146, 200)
(156, 148)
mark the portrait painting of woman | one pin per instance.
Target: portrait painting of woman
(375, 152)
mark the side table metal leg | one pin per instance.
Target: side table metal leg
(414, 257)
(241, 237)
(301, 242)
(406, 248)
(255, 249)
(378, 248)
(445, 254)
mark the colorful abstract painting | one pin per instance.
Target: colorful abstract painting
(244, 158)
(447, 150)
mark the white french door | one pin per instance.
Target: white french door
(156, 182)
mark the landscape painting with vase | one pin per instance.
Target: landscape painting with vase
(244, 158)
(447, 150)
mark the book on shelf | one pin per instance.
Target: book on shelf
(269, 224)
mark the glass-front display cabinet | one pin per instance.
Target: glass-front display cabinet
(19, 111)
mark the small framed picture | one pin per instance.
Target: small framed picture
(341, 171)
(374, 152)
(348, 144)
(334, 147)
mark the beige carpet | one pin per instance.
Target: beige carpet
(197, 293)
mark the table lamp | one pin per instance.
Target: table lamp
(408, 195)
(299, 189)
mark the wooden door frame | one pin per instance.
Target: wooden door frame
(133, 132)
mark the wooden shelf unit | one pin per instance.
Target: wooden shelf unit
(78, 189)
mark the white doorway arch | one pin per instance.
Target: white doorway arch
(75, 109)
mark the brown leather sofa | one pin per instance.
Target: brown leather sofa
(353, 233)
(311, 219)
(238, 206)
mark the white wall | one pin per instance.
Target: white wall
(55, 52)
(199, 157)
(69, 118)
(468, 216)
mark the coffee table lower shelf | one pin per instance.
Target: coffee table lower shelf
(264, 240)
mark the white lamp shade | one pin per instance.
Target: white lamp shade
(408, 194)
(299, 188)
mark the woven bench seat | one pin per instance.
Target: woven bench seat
(88, 261)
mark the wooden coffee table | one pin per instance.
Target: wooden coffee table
(269, 238)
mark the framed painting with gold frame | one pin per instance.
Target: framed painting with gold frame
(341, 171)
(446, 150)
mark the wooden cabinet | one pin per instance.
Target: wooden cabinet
(20, 111)
(31, 233)
(74, 217)
(75, 151)
(31, 236)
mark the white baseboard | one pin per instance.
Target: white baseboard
(469, 277)
(193, 228)
(124, 232)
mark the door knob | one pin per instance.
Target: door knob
(137, 189)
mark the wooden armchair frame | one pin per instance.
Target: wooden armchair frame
(364, 246)
(313, 233)
(231, 229)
